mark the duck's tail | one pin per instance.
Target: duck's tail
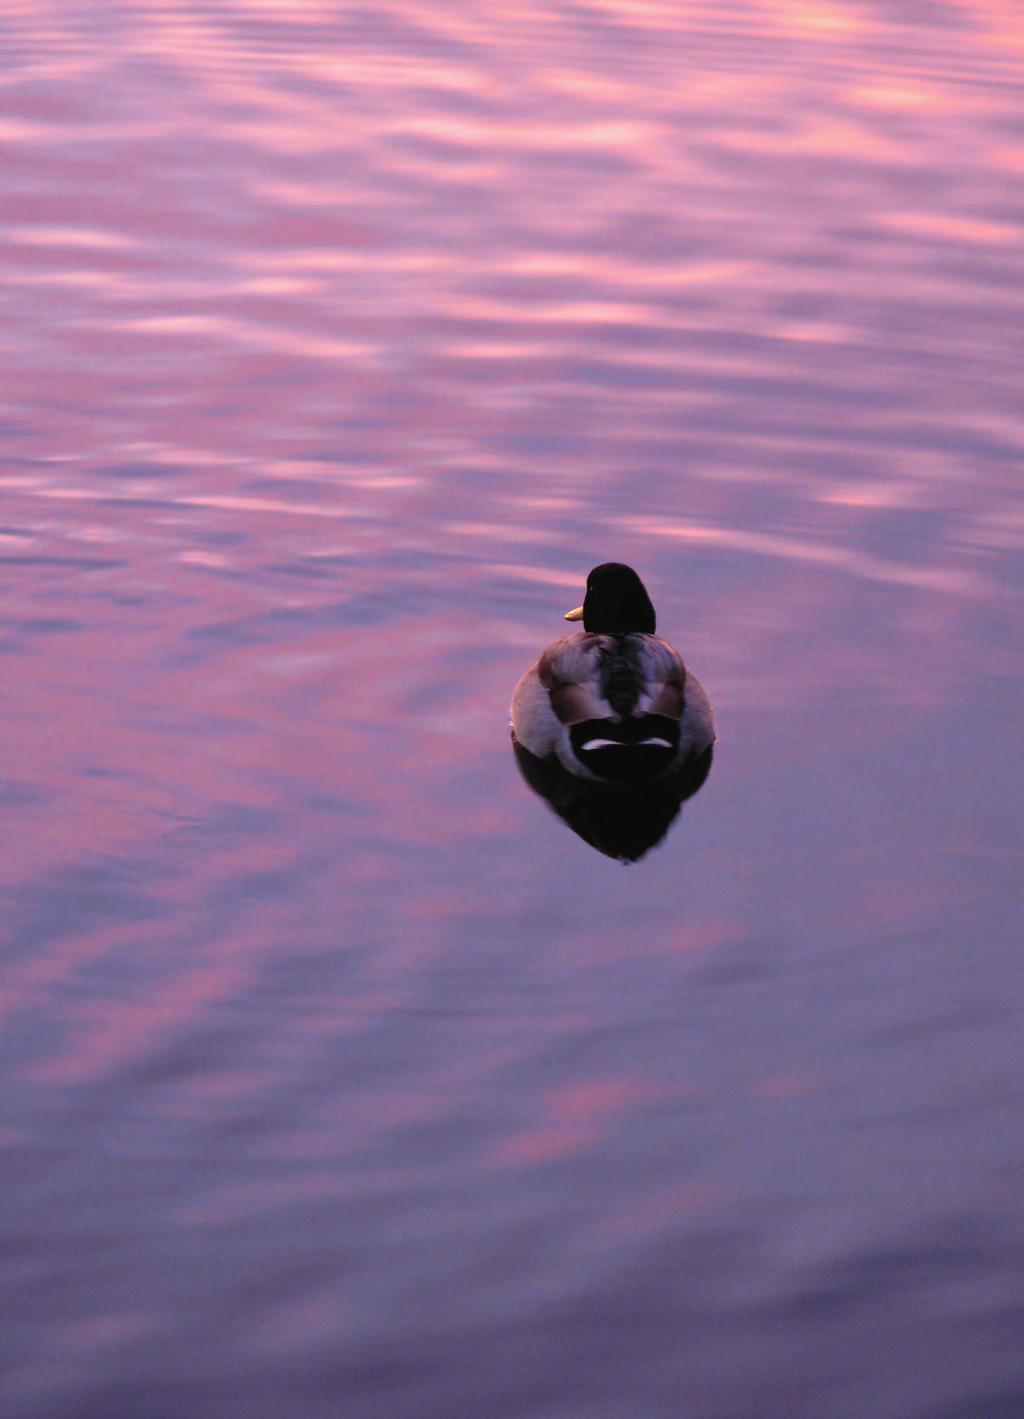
(636, 749)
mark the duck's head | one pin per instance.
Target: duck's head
(616, 602)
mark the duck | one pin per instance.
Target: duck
(614, 704)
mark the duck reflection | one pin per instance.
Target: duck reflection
(620, 822)
(609, 726)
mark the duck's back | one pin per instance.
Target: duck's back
(594, 676)
(621, 708)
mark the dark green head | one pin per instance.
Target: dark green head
(616, 602)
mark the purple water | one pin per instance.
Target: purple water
(339, 1077)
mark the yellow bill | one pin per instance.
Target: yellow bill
(576, 615)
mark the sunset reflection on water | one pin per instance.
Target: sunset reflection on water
(338, 344)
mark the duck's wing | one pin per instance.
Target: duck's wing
(663, 676)
(601, 676)
(570, 671)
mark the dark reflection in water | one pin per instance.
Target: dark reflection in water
(336, 1078)
(621, 822)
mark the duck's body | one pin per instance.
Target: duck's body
(614, 704)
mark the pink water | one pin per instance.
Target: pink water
(339, 1077)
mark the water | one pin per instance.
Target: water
(340, 1078)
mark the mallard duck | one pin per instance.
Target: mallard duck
(614, 704)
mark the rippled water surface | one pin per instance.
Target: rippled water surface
(340, 1078)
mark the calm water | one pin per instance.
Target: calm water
(340, 1078)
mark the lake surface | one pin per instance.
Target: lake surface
(339, 1077)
